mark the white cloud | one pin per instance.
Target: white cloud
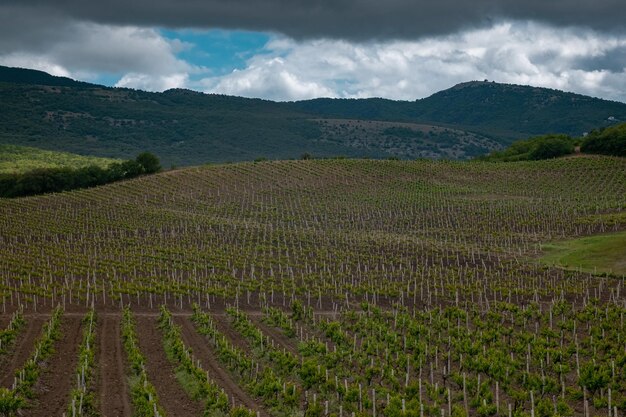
(25, 60)
(271, 79)
(572, 59)
(141, 57)
(152, 82)
(511, 52)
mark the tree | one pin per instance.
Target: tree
(609, 141)
(149, 161)
(552, 147)
(132, 169)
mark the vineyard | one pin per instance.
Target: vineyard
(330, 287)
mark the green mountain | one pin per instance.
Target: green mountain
(519, 111)
(187, 128)
(503, 111)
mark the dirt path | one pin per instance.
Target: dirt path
(52, 391)
(210, 363)
(223, 323)
(291, 345)
(111, 384)
(162, 374)
(22, 348)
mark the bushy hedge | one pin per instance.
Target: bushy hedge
(49, 180)
(609, 141)
(541, 147)
(551, 147)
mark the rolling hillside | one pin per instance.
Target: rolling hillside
(19, 159)
(190, 128)
(320, 288)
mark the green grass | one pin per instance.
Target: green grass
(601, 253)
(19, 159)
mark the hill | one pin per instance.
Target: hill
(186, 128)
(514, 110)
(503, 111)
(29, 76)
(19, 159)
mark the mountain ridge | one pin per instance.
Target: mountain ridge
(186, 127)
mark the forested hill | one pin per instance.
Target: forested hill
(502, 110)
(28, 76)
(186, 128)
(493, 107)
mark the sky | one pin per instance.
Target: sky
(294, 49)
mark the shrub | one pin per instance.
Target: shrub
(149, 162)
(540, 147)
(552, 147)
(609, 141)
(51, 180)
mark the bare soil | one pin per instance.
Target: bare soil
(22, 348)
(291, 345)
(224, 325)
(210, 363)
(112, 384)
(162, 374)
(52, 391)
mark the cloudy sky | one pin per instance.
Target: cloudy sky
(296, 49)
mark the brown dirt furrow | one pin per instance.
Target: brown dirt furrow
(52, 391)
(111, 385)
(162, 374)
(210, 363)
(291, 345)
(22, 348)
(223, 323)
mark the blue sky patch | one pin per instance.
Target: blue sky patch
(221, 51)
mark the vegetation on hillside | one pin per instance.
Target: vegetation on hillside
(49, 180)
(190, 128)
(402, 140)
(503, 111)
(19, 159)
(533, 149)
(607, 141)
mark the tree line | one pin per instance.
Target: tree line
(607, 141)
(50, 180)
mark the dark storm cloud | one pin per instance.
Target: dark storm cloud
(350, 19)
(614, 60)
(27, 29)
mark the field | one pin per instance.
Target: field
(601, 253)
(19, 159)
(316, 288)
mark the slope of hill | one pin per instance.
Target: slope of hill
(28, 76)
(331, 276)
(187, 128)
(504, 111)
(507, 109)
(19, 159)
